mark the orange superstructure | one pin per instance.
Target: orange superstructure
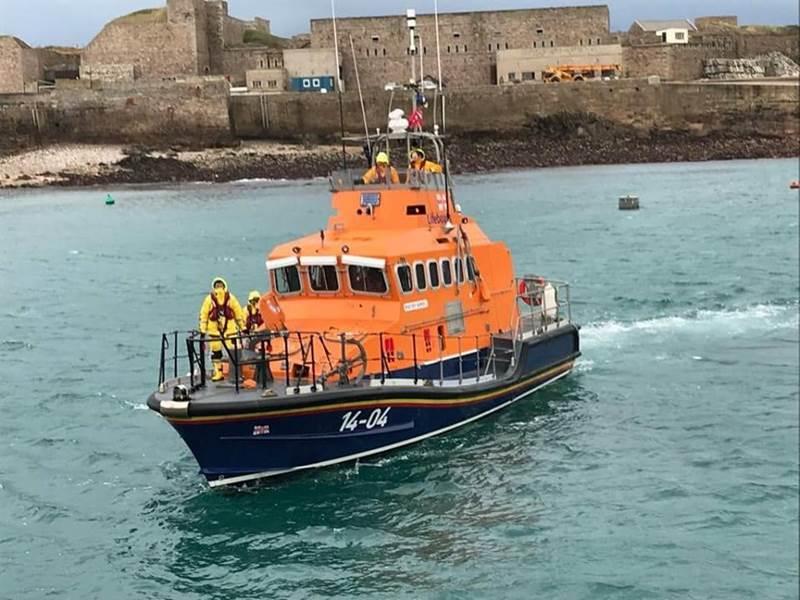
(401, 260)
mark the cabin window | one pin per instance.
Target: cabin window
(367, 279)
(433, 274)
(459, 270)
(447, 273)
(323, 278)
(419, 273)
(404, 278)
(287, 280)
(472, 269)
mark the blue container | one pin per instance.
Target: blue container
(315, 83)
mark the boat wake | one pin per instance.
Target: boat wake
(760, 317)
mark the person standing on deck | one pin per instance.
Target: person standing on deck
(221, 316)
(254, 319)
(381, 172)
(418, 162)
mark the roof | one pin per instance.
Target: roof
(461, 13)
(656, 25)
(14, 40)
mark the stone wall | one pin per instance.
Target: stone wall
(711, 22)
(469, 41)
(116, 72)
(306, 62)
(59, 63)
(190, 112)
(11, 79)
(237, 61)
(785, 41)
(670, 62)
(700, 108)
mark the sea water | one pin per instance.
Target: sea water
(666, 466)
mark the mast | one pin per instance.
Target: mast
(411, 21)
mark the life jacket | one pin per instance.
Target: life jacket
(254, 318)
(219, 311)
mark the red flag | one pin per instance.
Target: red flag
(415, 119)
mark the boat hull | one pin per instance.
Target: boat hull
(242, 446)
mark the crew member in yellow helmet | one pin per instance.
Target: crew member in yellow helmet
(381, 172)
(254, 319)
(418, 162)
(221, 316)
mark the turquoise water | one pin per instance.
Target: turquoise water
(665, 467)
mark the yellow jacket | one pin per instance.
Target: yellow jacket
(221, 318)
(372, 176)
(426, 165)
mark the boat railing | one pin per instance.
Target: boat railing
(414, 179)
(313, 361)
(542, 305)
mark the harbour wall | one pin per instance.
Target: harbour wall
(745, 109)
(191, 112)
(202, 113)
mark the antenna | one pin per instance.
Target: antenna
(361, 97)
(339, 83)
(439, 57)
(411, 22)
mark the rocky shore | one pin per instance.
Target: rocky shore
(547, 143)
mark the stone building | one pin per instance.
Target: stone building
(675, 31)
(184, 38)
(19, 66)
(528, 65)
(469, 42)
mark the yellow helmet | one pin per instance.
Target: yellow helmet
(382, 159)
(217, 280)
(254, 295)
(418, 151)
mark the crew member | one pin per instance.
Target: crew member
(254, 319)
(381, 172)
(220, 317)
(419, 163)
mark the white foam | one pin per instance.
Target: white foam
(759, 317)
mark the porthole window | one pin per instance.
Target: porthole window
(447, 272)
(404, 278)
(433, 274)
(419, 273)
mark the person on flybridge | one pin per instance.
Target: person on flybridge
(381, 172)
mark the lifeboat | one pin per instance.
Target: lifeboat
(398, 321)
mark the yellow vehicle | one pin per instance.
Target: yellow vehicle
(562, 73)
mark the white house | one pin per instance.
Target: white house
(670, 31)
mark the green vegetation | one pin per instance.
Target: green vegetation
(144, 17)
(254, 37)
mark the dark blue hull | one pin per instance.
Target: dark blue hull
(238, 445)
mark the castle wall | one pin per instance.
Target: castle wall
(237, 61)
(469, 41)
(513, 64)
(11, 68)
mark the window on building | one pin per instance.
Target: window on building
(256, 84)
(376, 38)
(376, 52)
(272, 83)
(465, 47)
(447, 273)
(534, 44)
(456, 35)
(679, 35)
(404, 278)
(448, 49)
(590, 41)
(539, 30)
(261, 64)
(425, 50)
(528, 76)
(433, 274)
(419, 275)
(580, 42)
(552, 43)
(598, 41)
(366, 51)
(506, 45)
(498, 46)
(323, 278)
(384, 51)
(490, 47)
(287, 280)
(512, 76)
(456, 48)
(367, 279)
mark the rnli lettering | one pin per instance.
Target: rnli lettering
(417, 305)
(260, 430)
(353, 420)
(437, 219)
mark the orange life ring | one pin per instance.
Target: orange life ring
(535, 299)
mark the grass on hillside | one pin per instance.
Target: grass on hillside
(144, 17)
(254, 37)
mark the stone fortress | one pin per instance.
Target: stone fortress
(199, 38)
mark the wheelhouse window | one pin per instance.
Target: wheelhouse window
(447, 273)
(367, 279)
(433, 274)
(404, 278)
(287, 280)
(323, 278)
(419, 272)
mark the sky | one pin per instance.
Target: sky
(76, 22)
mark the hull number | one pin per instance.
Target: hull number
(353, 420)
